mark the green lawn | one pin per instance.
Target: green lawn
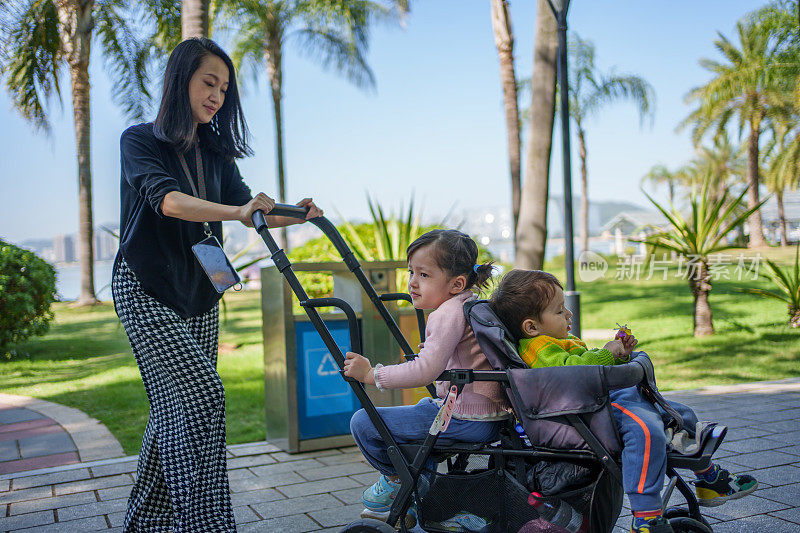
(752, 340)
(85, 360)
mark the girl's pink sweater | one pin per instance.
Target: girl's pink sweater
(449, 343)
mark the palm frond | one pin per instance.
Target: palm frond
(786, 281)
(125, 59)
(766, 294)
(31, 56)
(249, 47)
(355, 241)
(614, 87)
(333, 50)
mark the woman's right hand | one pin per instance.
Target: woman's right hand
(260, 202)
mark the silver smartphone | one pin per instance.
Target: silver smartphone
(212, 258)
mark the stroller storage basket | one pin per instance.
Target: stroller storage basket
(496, 501)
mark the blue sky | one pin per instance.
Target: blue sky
(434, 127)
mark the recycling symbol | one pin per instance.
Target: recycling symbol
(327, 367)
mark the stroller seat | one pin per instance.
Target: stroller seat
(566, 414)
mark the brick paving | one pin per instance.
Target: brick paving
(321, 491)
(36, 434)
(30, 440)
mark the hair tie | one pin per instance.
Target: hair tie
(476, 267)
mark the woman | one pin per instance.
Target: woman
(179, 181)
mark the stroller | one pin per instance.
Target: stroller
(565, 448)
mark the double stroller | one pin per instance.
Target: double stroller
(555, 468)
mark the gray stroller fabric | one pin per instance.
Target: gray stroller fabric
(541, 397)
(544, 395)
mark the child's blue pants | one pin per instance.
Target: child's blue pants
(410, 423)
(644, 445)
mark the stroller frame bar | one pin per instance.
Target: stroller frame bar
(408, 470)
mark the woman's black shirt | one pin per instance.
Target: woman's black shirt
(156, 247)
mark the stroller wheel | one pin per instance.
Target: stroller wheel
(688, 525)
(367, 525)
(682, 512)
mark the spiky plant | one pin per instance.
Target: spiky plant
(698, 236)
(787, 283)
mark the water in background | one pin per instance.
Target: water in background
(68, 276)
(68, 280)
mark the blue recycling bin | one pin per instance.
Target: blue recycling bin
(325, 402)
(308, 403)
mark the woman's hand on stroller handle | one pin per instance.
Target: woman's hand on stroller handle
(358, 367)
(304, 210)
(312, 211)
(261, 202)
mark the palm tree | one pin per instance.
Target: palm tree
(697, 237)
(783, 172)
(194, 18)
(747, 86)
(532, 225)
(37, 39)
(504, 41)
(590, 90)
(333, 31)
(720, 165)
(660, 174)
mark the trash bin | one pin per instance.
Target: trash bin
(308, 403)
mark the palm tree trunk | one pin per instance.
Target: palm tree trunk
(504, 40)
(671, 185)
(700, 283)
(76, 33)
(754, 220)
(194, 18)
(275, 71)
(584, 191)
(794, 317)
(781, 217)
(532, 227)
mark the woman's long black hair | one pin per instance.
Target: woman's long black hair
(227, 132)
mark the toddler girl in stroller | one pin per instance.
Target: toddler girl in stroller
(442, 270)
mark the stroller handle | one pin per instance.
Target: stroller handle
(281, 210)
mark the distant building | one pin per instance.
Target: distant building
(633, 225)
(493, 228)
(771, 221)
(64, 249)
(105, 244)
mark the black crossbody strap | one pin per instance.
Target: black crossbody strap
(201, 182)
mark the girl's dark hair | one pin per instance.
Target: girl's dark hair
(523, 294)
(455, 253)
(227, 132)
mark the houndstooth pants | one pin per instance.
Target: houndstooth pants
(181, 479)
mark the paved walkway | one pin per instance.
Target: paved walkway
(273, 491)
(39, 434)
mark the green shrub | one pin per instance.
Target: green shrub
(27, 290)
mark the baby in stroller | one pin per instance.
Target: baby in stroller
(531, 305)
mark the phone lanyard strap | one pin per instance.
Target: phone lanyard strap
(201, 182)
